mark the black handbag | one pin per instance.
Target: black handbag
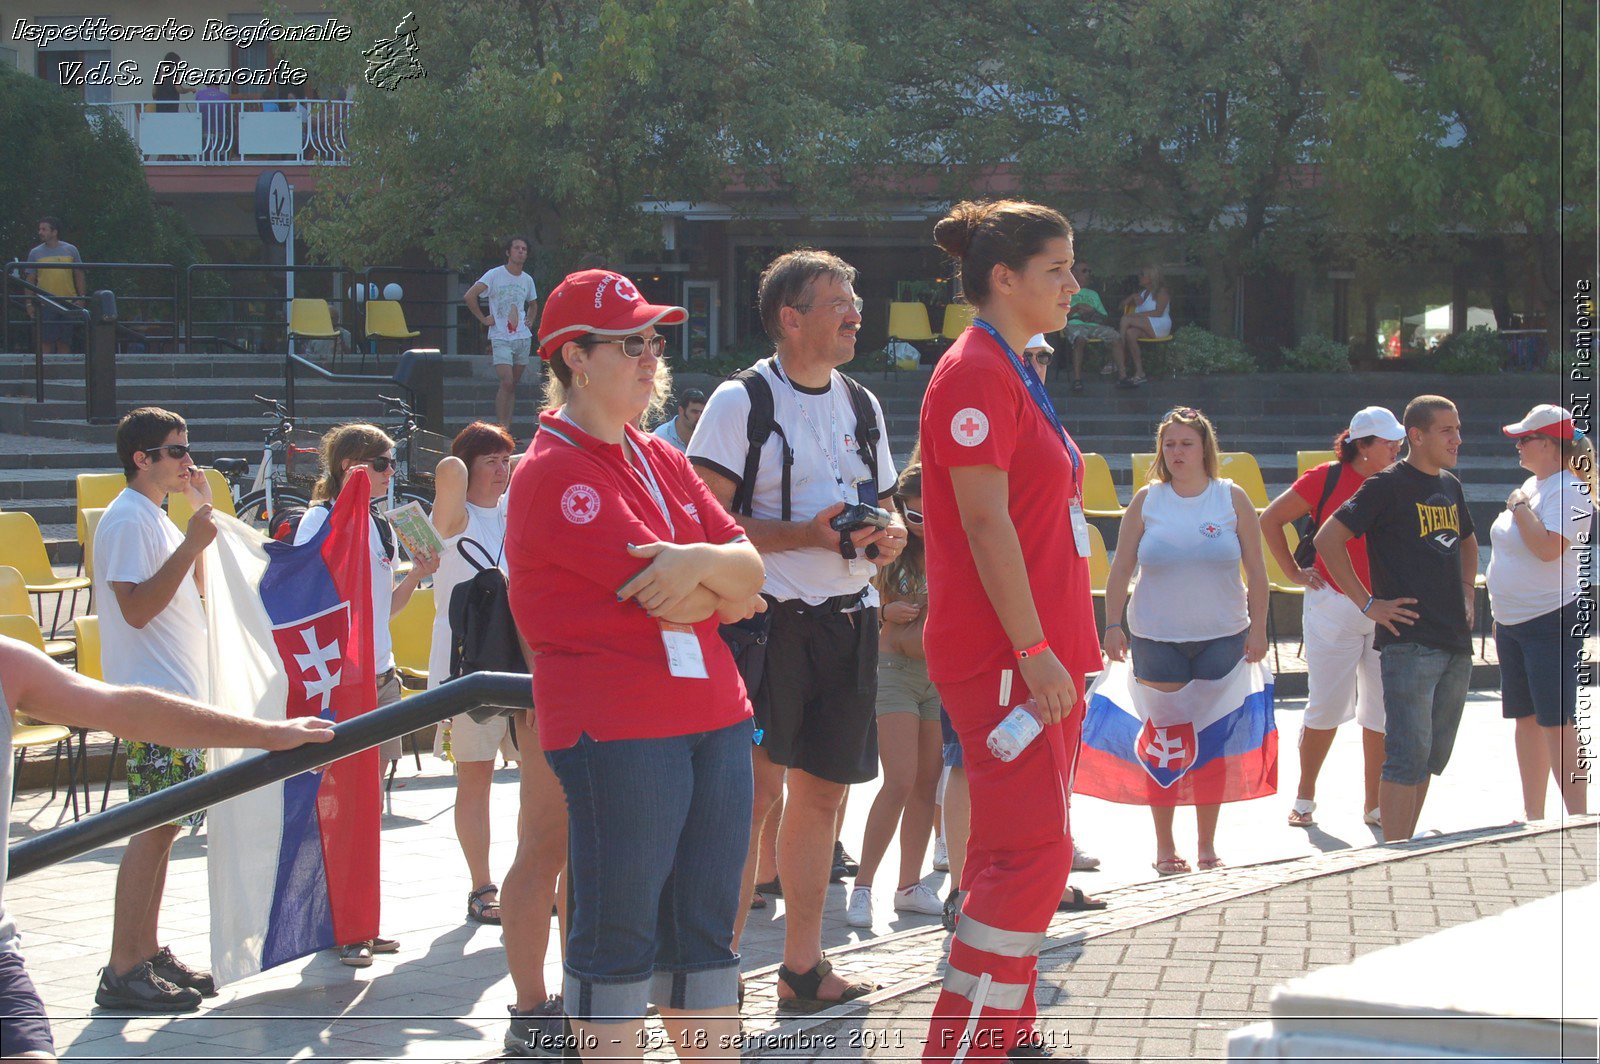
(747, 641)
(1305, 553)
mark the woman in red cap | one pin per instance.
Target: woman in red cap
(1010, 618)
(1534, 583)
(621, 566)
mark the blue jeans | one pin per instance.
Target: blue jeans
(658, 831)
(1424, 692)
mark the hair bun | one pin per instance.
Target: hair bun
(953, 233)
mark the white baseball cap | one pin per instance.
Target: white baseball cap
(1376, 421)
(1038, 343)
(1544, 420)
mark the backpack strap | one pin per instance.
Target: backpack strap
(759, 427)
(866, 428)
(461, 545)
(1329, 482)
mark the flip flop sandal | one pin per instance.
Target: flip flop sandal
(806, 984)
(1373, 818)
(757, 902)
(1172, 866)
(773, 886)
(478, 909)
(1079, 902)
(1207, 864)
(1300, 816)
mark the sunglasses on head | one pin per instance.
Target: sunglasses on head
(174, 451)
(635, 346)
(1187, 412)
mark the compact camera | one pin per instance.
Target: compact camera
(860, 515)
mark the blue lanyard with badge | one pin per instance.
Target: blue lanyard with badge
(1041, 399)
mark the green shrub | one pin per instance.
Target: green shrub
(1195, 352)
(1317, 354)
(1478, 350)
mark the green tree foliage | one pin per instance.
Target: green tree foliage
(80, 166)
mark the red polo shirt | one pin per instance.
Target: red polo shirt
(977, 412)
(600, 666)
(1310, 487)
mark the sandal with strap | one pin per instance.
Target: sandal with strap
(1077, 901)
(806, 984)
(478, 909)
(1300, 816)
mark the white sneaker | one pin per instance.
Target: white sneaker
(941, 855)
(918, 899)
(859, 912)
(1083, 860)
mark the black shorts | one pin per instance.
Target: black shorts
(816, 706)
(23, 1027)
(55, 326)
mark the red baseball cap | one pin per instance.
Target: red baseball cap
(1543, 420)
(598, 301)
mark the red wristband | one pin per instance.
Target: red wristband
(1033, 651)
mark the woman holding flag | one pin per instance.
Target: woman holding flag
(1010, 620)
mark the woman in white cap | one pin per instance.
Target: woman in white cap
(1342, 667)
(1533, 589)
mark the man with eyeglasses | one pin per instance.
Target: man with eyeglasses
(816, 691)
(147, 583)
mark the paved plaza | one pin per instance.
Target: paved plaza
(1209, 945)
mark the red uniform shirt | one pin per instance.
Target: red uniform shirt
(1310, 487)
(600, 666)
(977, 412)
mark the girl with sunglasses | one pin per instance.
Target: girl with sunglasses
(343, 449)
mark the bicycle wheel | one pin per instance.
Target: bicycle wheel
(253, 511)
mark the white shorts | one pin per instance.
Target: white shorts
(1345, 680)
(511, 352)
(471, 741)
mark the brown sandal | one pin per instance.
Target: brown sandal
(478, 909)
(806, 984)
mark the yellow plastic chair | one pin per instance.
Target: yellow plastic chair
(957, 316)
(14, 602)
(22, 548)
(27, 736)
(87, 630)
(95, 491)
(1240, 467)
(412, 633)
(179, 511)
(1278, 583)
(1099, 490)
(310, 319)
(1099, 563)
(387, 321)
(91, 521)
(909, 322)
(1305, 461)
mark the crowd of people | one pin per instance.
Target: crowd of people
(731, 620)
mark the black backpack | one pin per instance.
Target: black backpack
(762, 423)
(483, 634)
(285, 524)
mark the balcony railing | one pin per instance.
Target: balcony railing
(237, 132)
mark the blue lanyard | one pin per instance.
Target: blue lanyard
(1041, 398)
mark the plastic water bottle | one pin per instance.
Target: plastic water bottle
(1012, 735)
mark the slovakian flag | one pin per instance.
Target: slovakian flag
(293, 867)
(1212, 741)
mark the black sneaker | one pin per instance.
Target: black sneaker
(541, 1034)
(952, 910)
(842, 857)
(772, 887)
(178, 973)
(142, 990)
(1127, 383)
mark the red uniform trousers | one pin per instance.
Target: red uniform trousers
(1018, 859)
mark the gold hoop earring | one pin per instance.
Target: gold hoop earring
(581, 380)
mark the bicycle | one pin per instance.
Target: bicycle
(417, 451)
(272, 491)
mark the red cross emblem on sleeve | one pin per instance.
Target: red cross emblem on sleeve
(970, 426)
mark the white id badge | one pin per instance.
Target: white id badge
(1080, 529)
(683, 651)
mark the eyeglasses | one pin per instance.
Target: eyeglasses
(382, 464)
(841, 307)
(914, 516)
(174, 451)
(635, 346)
(1041, 358)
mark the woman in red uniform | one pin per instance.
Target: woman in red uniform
(1009, 613)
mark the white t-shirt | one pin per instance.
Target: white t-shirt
(132, 542)
(820, 427)
(509, 293)
(1521, 587)
(382, 582)
(668, 430)
(486, 526)
(1189, 588)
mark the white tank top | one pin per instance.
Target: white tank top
(486, 526)
(1189, 583)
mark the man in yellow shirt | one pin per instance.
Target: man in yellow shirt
(66, 285)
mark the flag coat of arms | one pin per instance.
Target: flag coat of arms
(293, 867)
(1213, 741)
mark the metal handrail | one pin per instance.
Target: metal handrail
(271, 270)
(293, 362)
(16, 267)
(493, 689)
(38, 347)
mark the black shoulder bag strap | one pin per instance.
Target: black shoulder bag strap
(1329, 482)
(759, 427)
(461, 545)
(866, 431)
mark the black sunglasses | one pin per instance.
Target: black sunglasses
(382, 464)
(174, 451)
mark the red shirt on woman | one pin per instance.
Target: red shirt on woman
(600, 665)
(977, 412)
(1310, 487)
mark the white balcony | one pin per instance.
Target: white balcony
(237, 132)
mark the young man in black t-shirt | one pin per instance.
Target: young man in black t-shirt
(1424, 560)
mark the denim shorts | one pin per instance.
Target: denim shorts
(1424, 692)
(658, 831)
(1157, 661)
(1539, 661)
(24, 1028)
(511, 352)
(952, 741)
